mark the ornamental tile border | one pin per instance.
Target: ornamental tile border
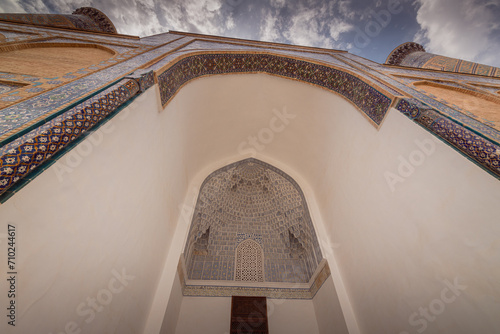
(189, 289)
(373, 103)
(25, 154)
(478, 149)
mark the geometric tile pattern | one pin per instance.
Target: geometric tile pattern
(369, 100)
(480, 150)
(251, 202)
(249, 262)
(21, 156)
(288, 291)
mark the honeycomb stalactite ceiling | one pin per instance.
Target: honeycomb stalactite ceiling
(251, 191)
(252, 200)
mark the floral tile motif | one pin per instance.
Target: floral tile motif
(368, 99)
(23, 155)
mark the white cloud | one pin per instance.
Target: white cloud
(318, 23)
(230, 23)
(465, 29)
(345, 10)
(204, 15)
(144, 17)
(10, 6)
(337, 27)
(134, 18)
(278, 3)
(269, 28)
(306, 29)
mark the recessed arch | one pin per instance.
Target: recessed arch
(371, 99)
(248, 204)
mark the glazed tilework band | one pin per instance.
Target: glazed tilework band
(25, 154)
(368, 99)
(477, 148)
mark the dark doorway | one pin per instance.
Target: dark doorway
(249, 315)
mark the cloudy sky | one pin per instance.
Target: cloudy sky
(466, 29)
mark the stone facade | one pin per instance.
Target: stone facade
(28, 101)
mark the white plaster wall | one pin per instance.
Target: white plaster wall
(392, 250)
(173, 308)
(291, 316)
(107, 205)
(210, 315)
(328, 310)
(398, 249)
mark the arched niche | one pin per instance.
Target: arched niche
(51, 59)
(246, 208)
